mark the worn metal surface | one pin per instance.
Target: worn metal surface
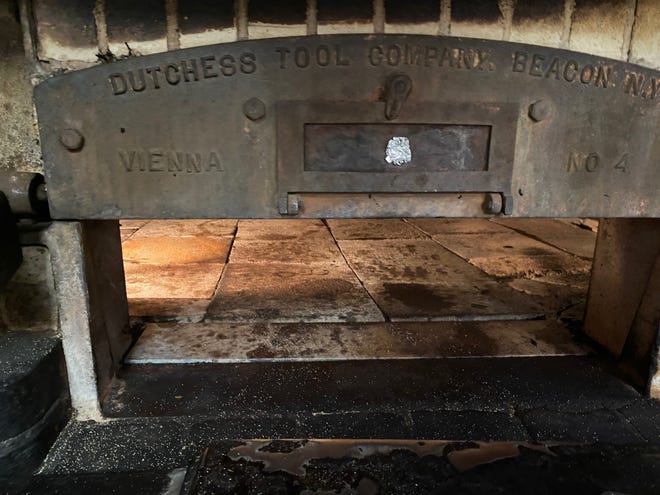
(26, 193)
(10, 250)
(180, 134)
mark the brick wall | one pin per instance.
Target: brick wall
(73, 32)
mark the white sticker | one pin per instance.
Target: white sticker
(398, 151)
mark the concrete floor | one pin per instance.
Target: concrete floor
(228, 290)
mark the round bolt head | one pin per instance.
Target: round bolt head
(72, 140)
(254, 109)
(539, 110)
(493, 204)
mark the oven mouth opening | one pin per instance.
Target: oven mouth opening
(240, 291)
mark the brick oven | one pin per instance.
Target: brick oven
(391, 226)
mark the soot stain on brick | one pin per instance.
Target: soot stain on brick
(200, 15)
(345, 11)
(281, 12)
(530, 10)
(136, 21)
(475, 11)
(397, 12)
(69, 22)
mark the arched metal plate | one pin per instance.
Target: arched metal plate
(353, 125)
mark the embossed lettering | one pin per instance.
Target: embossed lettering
(591, 162)
(283, 52)
(430, 53)
(578, 162)
(139, 84)
(519, 61)
(228, 65)
(633, 83)
(570, 71)
(322, 55)
(190, 71)
(301, 57)
(207, 68)
(154, 71)
(603, 76)
(553, 70)
(341, 59)
(127, 159)
(622, 165)
(538, 65)
(393, 55)
(652, 89)
(586, 74)
(158, 160)
(175, 161)
(414, 55)
(535, 66)
(172, 75)
(118, 84)
(248, 63)
(636, 84)
(376, 55)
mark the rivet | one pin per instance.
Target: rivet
(539, 110)
(493, 204)
(254, 109)
(72, 140)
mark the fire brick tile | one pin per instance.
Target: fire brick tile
(187, 281)
(392, 228)
(66, 29)
(281, 230)
(646, 35)
(539, 22)
(176, 250)
(419, 17)
(279, 292)
(180, 228)
(344, 16)
(562, 235)
(301, 251)
(221, 342)
(140, 25)
(433, 226)
(203, 23)
(601, 28)
(476, 19)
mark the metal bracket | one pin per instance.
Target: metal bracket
(397, 89)
(290, 204)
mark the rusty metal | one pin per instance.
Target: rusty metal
(26, 193)
(254, 109)
(397, 89)
(540, 110)
(72, 140)
(10, 249)
(171, 135)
